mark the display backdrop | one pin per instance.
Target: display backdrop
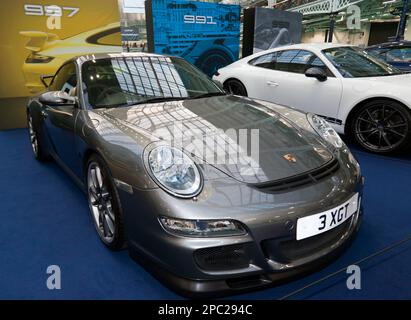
(269, 28)
(204, 33)
(133, 25)
(38, 37)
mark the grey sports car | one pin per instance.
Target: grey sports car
(213, 193)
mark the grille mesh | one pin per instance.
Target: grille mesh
(222, 258)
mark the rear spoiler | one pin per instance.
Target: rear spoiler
(38, 40)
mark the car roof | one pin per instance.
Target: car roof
(96, 56)
(317, 46)
(322, 46)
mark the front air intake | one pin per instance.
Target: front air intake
(222, 258)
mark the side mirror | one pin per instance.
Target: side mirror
(317, 73)
(57, 98)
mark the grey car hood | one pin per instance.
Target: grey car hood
(210, 118)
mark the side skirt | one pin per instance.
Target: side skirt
(70, 173)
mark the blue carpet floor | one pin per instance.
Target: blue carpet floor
(45, 221)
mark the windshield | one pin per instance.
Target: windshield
(354, 63)
(122, 81)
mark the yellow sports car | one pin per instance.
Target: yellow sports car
(48, 52)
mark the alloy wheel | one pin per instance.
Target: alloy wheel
(381, 128)
(100, 202)
(33, 136)
(236, 88)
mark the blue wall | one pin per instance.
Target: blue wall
(205, 34)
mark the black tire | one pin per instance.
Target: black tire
(35, 139)
(118, 240)
(382, 126)
(235, 87)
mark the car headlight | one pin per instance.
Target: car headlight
(202, 228)
(325, 130)
(38, 58)
(174, 171)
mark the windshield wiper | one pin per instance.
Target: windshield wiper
(116, 105)
(390, 74)
(130, 104)
(209, 94)
(161, 99)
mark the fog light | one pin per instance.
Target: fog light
(202, 228)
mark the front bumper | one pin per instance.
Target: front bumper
(273, 255)
(247, 281)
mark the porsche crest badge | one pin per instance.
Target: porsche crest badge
(290, 158)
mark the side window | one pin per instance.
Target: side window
(290, 61)
(265, 61)
(317, 62)
(298, 61)
(65, 79)
(399, 55)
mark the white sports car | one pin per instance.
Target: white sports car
(357, 93)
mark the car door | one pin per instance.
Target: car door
(255, 77)
(59, 121)
(285, 83)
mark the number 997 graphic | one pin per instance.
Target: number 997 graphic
(50, 11)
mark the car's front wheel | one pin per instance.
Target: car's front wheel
(104, 203)
(382, 126)
(235, 87)
(34, 137)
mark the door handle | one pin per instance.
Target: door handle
(272, 83)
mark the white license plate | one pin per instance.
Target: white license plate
(321, 222)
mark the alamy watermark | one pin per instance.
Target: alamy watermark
(215, 146)
(53, 281)
(354, 278)
(353, 17)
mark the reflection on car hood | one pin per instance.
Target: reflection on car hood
(281, 150)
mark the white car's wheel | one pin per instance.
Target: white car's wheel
(235, 87)
(382, 126)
